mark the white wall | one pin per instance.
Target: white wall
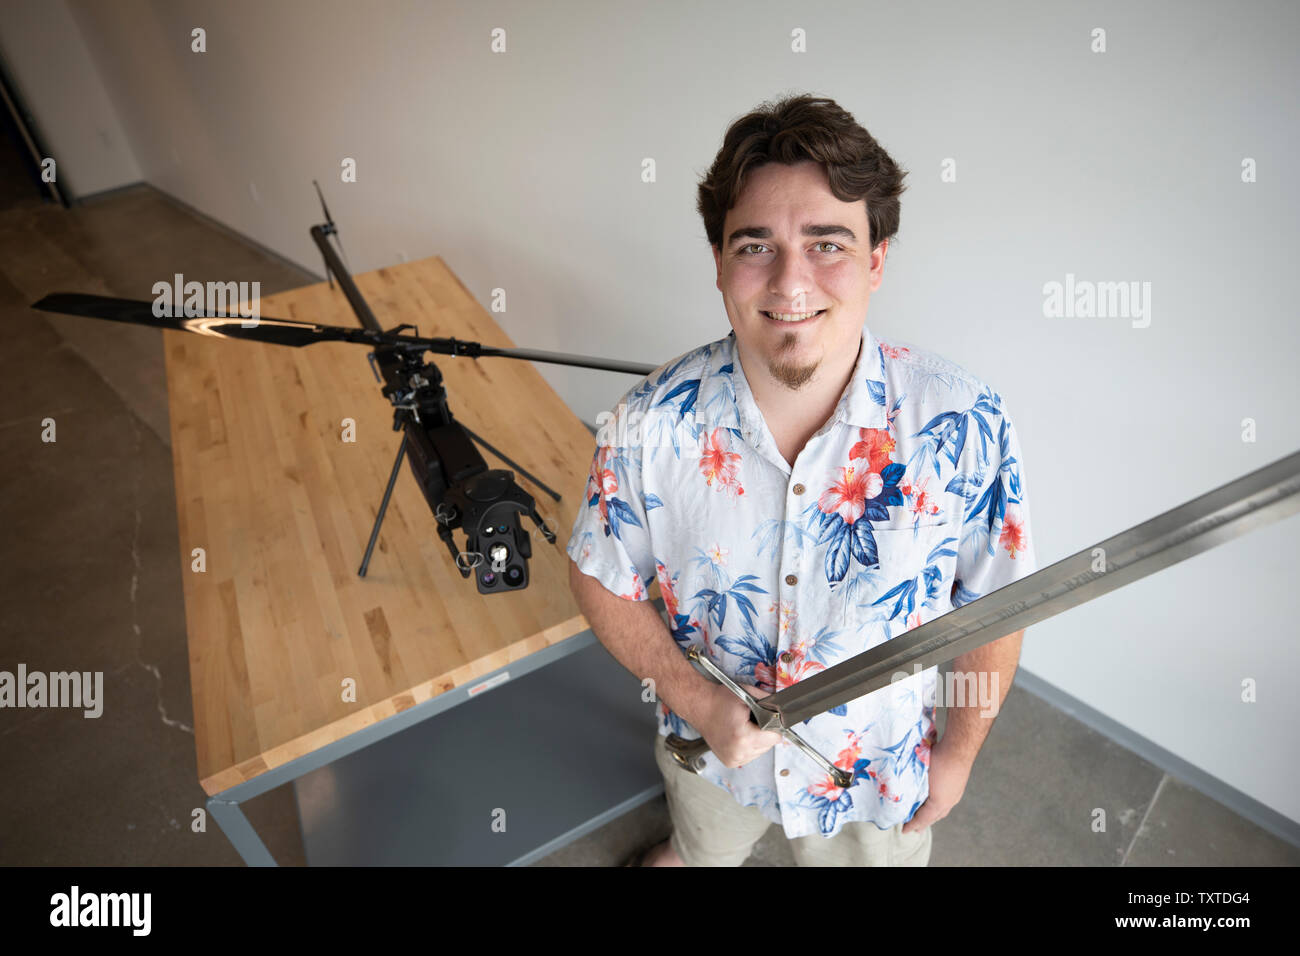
(60, 85)
(522, 170)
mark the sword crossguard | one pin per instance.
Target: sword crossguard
(689, 754)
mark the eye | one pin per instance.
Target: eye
(744, 250)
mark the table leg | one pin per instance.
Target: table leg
(240, 832)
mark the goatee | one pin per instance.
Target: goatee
(792, 375)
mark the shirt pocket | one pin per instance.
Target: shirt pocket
(911, 584)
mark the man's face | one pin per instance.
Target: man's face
(790, 247)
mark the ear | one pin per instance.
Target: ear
(717, 265)
(878, 265)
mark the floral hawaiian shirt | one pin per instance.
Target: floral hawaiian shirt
(908, 502)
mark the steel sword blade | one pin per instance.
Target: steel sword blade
(1253, 500)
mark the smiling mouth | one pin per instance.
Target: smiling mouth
(792, 318)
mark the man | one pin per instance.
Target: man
(803, 491)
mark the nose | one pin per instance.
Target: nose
(791, 279)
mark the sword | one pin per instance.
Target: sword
(1229, 511)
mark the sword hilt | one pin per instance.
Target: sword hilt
(689, 754)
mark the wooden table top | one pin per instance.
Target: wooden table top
(283, 507)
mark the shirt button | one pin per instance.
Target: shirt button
(786, 657)
(797, 489)
(785, 773)
(791, 580)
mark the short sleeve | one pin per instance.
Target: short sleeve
(997, 545)
(611, 534)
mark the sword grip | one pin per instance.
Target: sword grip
(689, 754)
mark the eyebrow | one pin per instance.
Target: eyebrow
(762, 232)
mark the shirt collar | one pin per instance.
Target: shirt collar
(725, 398)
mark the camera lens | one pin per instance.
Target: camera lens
(488, 578)
(514, 576)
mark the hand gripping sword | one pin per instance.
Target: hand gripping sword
(1229, 511)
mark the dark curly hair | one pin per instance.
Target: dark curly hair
(797, 128)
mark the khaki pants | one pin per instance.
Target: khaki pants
(711, 829)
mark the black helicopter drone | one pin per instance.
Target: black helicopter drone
(462, 491)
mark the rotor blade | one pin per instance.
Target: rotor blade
(1255, 499)
(324, 208)
(561, 358)
(139, 312)
(289, 332)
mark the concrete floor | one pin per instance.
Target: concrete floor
(92, 582)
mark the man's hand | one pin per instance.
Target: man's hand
(949, 772)
(725, 725)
